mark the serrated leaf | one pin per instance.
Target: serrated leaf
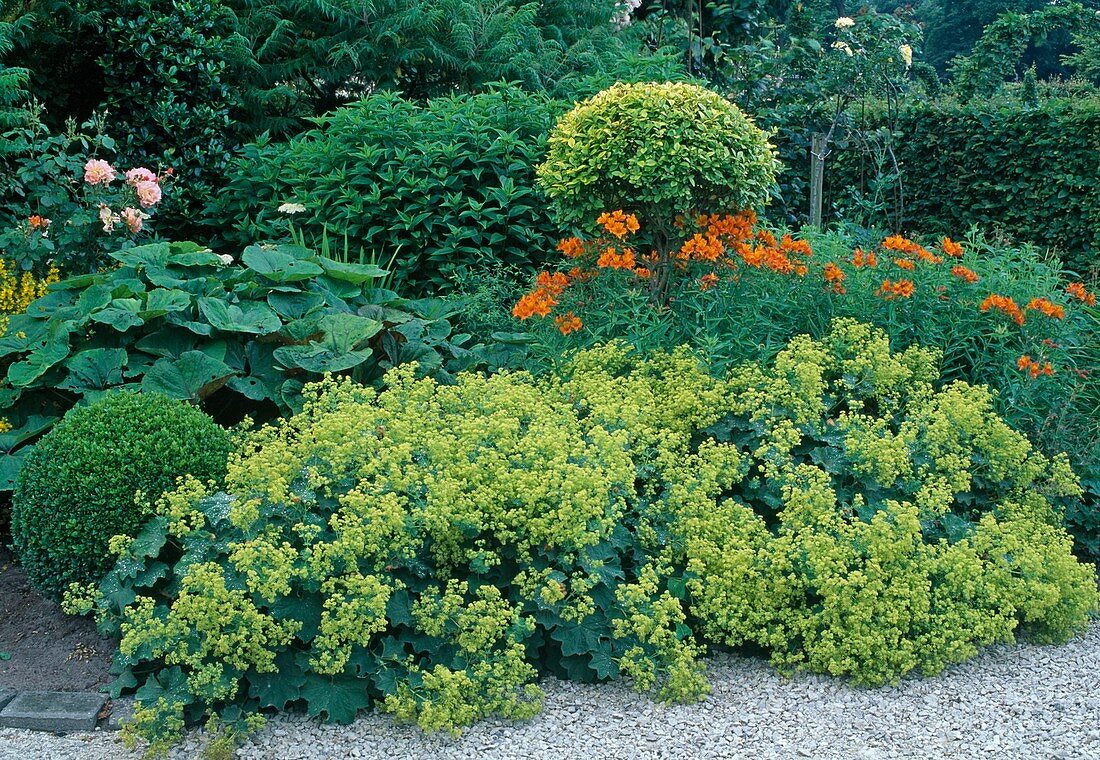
(338, 699)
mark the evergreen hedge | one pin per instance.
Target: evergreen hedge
(1032, 172)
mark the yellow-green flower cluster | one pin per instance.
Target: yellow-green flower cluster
(839, 509)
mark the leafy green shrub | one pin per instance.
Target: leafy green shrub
(655, 150)
(303, 58)
(431, 549)
(157, 66)
(78, 487)
(444, 187)
(239, 337)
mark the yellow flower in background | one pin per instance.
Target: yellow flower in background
(844, 22)
(906, 55)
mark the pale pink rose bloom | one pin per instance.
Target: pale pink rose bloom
(148, 193)
(140, 174)
(97, 171)
(134, 219)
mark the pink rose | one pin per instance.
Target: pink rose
(148, 193)
(97, 172)
(140, 174)
(134, 219)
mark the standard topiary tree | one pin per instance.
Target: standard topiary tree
(658, 151)
(77, 487)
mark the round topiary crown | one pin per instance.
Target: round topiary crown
(656, 150)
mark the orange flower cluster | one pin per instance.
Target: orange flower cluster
(1004, 304)
(897, 289)
(951, 248)
(737, 227)
(1044, 305)
(1078, 291)
(612, 259)
(964, 274)
(699, 248)
(910, 249)
(834, 275)
(861, 259)
(905, 264)
(36, 222)
(543, 298)
(643, 272)
(571, 248)
(568, 322)
(619, 224)
(708, 281)
(776, 255)
(1026, 364)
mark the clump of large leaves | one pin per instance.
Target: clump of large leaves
(239, 337)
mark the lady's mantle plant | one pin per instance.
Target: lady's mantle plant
(431, 549)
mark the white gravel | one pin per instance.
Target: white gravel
(1027, 702)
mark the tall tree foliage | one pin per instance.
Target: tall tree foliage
(302, 58)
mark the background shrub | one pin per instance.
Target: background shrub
(431, 549)
(157, 66)
(1029, 172)
(655, 150)
(439, 188)
(78, 487)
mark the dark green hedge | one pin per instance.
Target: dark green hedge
(1032, 172)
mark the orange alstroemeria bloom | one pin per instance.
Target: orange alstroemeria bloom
(898, 289)
(618, 223)
(568, 322)
(965, 274)
(1045, 306)
(1078, 291)
(951, 248)
(1005, 305)
(571, 248)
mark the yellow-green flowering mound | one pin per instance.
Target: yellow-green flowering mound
(432, 550)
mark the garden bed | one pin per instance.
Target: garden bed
(42, 648)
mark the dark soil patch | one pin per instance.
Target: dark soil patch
(49, 650)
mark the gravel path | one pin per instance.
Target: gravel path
(1027, 702)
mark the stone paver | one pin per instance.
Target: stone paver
(53, 711)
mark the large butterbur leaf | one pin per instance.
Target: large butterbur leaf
(342, 346)
(194, 375)
(248, 317)
(95, 369)
(281, 263)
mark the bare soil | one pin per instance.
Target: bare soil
(42, 648)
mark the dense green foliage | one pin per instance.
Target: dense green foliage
(655, 150)
(238, 337)
(431, 549)
(1030, 172)
(299, 59)
(78, 487)
(999, 54)
(438, 188)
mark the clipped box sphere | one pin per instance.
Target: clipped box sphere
(77, 486)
